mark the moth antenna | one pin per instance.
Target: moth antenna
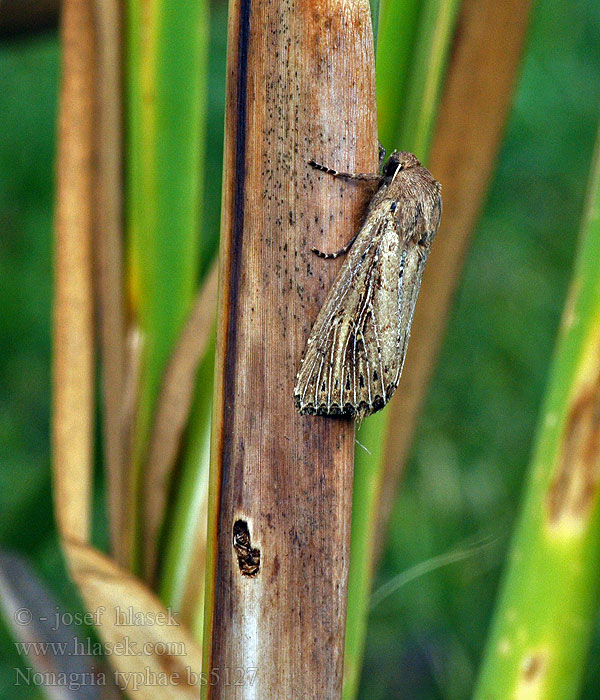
(365, 177)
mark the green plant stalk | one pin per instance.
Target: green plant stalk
(166, 104)
(190, 504)
(374, 5)
(547, 607)
(368, 466)
(396, 26)
(367, 482)
(428, 63)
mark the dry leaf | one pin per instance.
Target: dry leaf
(153, 655)
(50, 640)
(73, 380)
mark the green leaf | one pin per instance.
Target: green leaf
(547, 606)
(166, 91)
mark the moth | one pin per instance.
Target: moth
(355, 352)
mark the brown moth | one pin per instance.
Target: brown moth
(355, 353)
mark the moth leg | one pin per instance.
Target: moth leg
(368, 177)
(382, 155)
(341, 251)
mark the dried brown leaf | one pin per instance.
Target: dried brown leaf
(73, 378)
(153, 655)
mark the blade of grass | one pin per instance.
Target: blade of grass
(548, 602)
(166, 77)
(473, 112)
(73, 370)
(428, 66)
(108, 253)
(183, 573)
(300, 82)
(432, 36)
(172, 412)
(367, 482)
(160, 649)
(397, 30)
(476, 99)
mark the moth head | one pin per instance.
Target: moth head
(399, 160)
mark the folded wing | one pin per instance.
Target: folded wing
(355, 352)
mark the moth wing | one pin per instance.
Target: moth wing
(355, 351)
(418, 215)
(418, 222)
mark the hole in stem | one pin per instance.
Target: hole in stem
(247, 556)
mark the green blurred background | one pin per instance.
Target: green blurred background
(464, 477)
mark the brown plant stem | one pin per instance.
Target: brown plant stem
(300, 86)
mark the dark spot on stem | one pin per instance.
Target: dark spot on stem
(248, 557)
(533, 667)
(576, 481)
